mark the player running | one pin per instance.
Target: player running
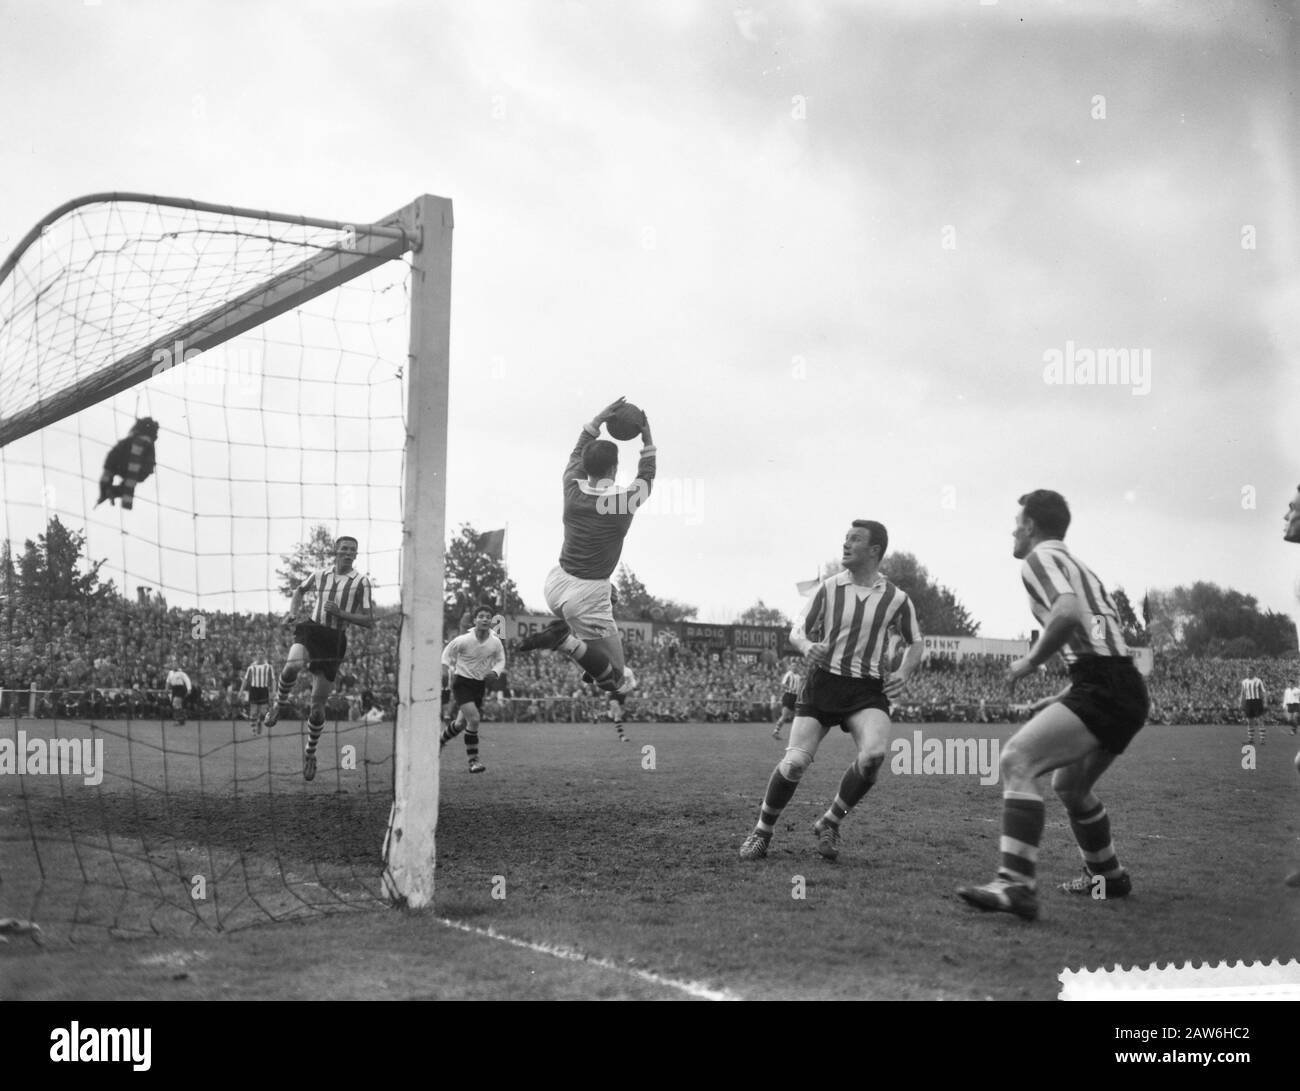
(257, 682)
(179, 685)
(597, 517)
(1078, 732)
(1253, 693)
(848, 686)
(791, 684)
(469, 664)
(342, 598)
(1291, 706)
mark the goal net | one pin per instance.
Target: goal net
(195, 401)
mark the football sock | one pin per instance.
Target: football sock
(450, 732)
(592, 660)
(314, 729)
(285, 686)
(471, 744)
(778, 794)
(853, 786)
(1022, 830)
(1092, 831)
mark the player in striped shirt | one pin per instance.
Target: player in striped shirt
(848, 684)
(791, 684)
(179, 685)
(471, 663)
(1075, 734)
(1253, 693)
(597, 516)
(258, 680)
(341, 598)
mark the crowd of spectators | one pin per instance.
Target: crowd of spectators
(110, 658)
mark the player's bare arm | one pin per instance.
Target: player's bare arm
(1064, 619)
(897, 681)
(364, 619)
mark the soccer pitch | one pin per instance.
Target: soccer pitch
(627, 854)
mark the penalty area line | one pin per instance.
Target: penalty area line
(572, 954)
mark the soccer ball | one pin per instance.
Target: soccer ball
(626, 423)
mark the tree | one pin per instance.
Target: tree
(51, 568)
(938, 609)
(1135, 635)
(1206, 619)
(315, 553)
(472, 576)
(635, 603)
(762, 614)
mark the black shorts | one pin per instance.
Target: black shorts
(1254, 707)
(831, 699)
(1107, 693)
(180, 691)
(1293, 708)
(787, 701)
(258, 695)
(325, 647)
(468, 691)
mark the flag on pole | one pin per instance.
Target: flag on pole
(492, 543)
(807, 587)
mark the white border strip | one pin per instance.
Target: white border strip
(570, 954)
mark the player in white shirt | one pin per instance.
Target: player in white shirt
(791, 684)
(1291, 706)
(179, 684)
(469, 663)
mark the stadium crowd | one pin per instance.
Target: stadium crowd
(110, 659)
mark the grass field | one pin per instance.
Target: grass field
(573, 840)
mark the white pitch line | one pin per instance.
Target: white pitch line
(571, 954)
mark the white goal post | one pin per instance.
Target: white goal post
(103, 284)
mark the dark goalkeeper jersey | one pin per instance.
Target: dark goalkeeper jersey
(597, 520)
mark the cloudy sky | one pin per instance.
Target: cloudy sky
(832, 249)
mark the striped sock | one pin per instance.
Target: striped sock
(778, 794)
(314, 729)
(471, 744)
(1022, 829)
(1092, 831)
(450, 732)
(853, 786)
(284, 687)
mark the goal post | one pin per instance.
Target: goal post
(103, 295)
(409, 845)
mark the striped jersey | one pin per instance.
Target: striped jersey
(259, 676)
(349, 591)
(473, 658)
(857, 621)
(791, 682)
(1252, 689)
(1048, 572)
(596, 520)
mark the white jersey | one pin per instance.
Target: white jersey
(179, 678)
(1291, 696)
(473, 658)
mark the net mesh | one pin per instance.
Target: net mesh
(114, 816)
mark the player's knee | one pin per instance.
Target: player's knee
(794, 764)
(868, 766)
(1015, 763)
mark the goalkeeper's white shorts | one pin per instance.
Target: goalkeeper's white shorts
(584, 604)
